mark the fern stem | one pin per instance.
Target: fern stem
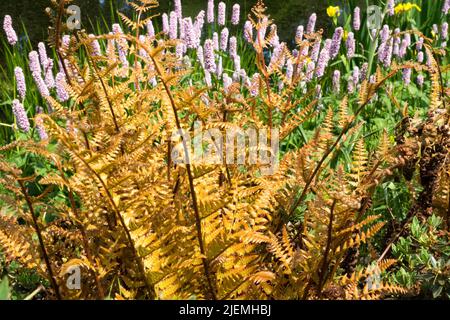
(41, 241)
(327, 249)
(150, 288)
(212, 292)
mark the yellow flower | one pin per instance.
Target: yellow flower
(405, 7)
(333, 11)
(345, 36)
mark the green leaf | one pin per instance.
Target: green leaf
(4, 289)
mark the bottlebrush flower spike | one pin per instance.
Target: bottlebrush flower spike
(199, 23)
(190, 35)
(95, 46)
(336, 81)
(420, 80)
(208, 51)
(42, 54)
(324, 58)
(11, 35)
(444, 30)
(356, 19)
(173, 25)
(446, 7)
(406, 76)
(35, 66)
(315, 51)
(254, 87)
(350, 44)
(221, 14)
(165, 23)
(210, 11)
(384, 33)
(311, 23)
(40, 126)
(150, 30)
(227, 81)
(200, 56)
(336, 42)
(49, 78)
(20, 82)
(61, 92)
(233, 47)
(391, 7)
(215, 40)
(299, 33)
(21, 116)
(235, 14)
(224, 39)
(420, 57)
(178, 9)
(310, 68)
(248, 31)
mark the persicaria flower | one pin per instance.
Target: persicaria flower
(210, 11)
(289, 70)
(190, 36)
(248, 31)
(310, 67)
(208, 51)
(324, 58)
(237, 63)
(235, 14)
(419, 44)
(34, 64)
(384, 34)
(364, 70)
(336, 42)
(178, 9)
(224, 39)
(95, 46)
(215, 40)
(299, 33)
(420, 80)
(61, 92)
(446, 7)
(20, 82)
(49, 79)
(150, 30)
(444, 30)
(11, 35)
(311, 23)
(403, 47)
(356, 19)
(173, 25)
(406, 76)
(420, 57)
(315, 51)
(40, 125)
(165, 23)
(350, 44)
(254, 88)
(227, 82)
(233, 47)
(21, 116)
(391, 7)
(200, 56)
(356, 75)
(336, 81)
(221, 15)
(42, 54)
(199, 23)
